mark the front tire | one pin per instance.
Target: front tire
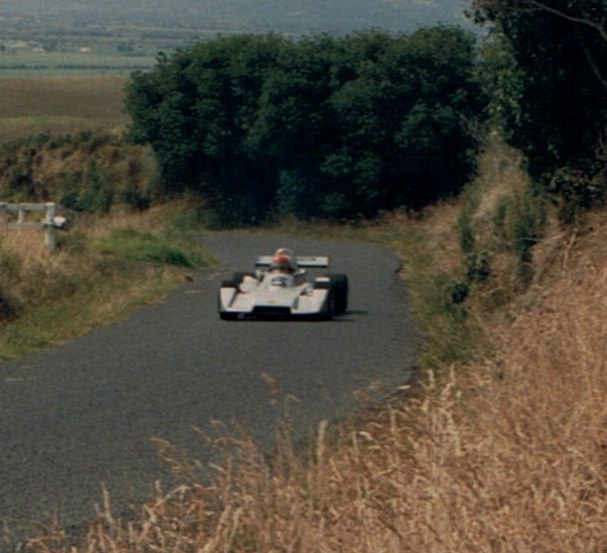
(339, 291)
(337, 295)
(227, 315)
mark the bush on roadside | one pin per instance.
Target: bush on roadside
(89, 172)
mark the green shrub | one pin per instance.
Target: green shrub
(99, 171)
(10, 307)
(467, 240)
(578, 190)
(134, 196)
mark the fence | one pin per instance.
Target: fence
(50, 223)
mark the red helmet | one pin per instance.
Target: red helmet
(281, 262)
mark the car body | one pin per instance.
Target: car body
(278, 295)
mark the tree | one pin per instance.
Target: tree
(321, 126)
(588, 14)
(159, 105)
(560, 116)
(435, 74)
(196, 109)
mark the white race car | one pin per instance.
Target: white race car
(280, 289)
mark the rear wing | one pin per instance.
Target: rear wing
(307, 261)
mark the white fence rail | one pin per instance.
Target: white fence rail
(49, 224)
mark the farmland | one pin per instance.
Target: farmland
(35, 63)
(29, 106)
(48, 38)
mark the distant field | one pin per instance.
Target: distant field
(60, 104)
(31, 63)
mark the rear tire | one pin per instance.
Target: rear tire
(237, 278)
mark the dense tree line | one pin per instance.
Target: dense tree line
(320, 126)
(549, 74)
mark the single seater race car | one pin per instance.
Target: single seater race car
(280, 289)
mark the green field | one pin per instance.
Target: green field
(31, 63)
(62, 104)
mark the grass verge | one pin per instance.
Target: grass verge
(103, 269)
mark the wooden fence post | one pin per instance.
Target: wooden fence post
(50, 226)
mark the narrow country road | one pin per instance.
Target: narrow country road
(78, 416)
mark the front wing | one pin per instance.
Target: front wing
(303, 302)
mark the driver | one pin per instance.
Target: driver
(283, 262)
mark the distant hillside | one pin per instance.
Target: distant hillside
(292, 16)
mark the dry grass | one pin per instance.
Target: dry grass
(31, 248)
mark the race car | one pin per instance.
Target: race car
(280, 289)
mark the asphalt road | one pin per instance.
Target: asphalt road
(77, 416)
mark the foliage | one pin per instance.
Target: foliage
(502, 80)
(500, 225)
(320, 127)
(553, 100)
(87, 172)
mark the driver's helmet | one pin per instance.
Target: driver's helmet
(280, 263)
(283, 261)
